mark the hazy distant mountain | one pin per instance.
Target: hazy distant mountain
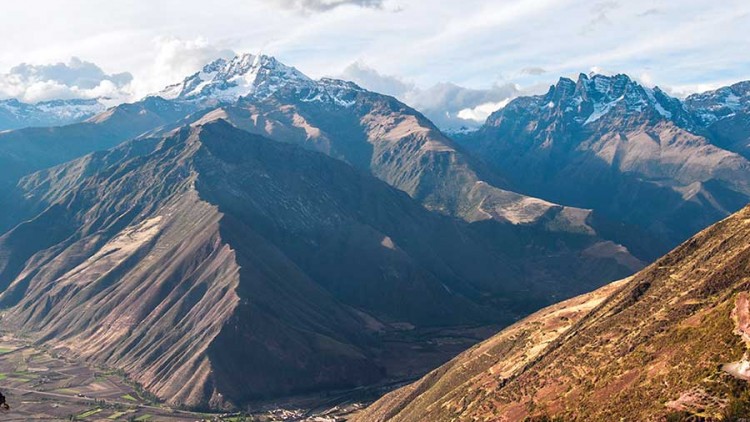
(633, 154)
(15, 114)
(670, 343)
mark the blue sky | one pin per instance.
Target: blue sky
(684, 46)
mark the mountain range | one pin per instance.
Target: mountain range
(253, 234)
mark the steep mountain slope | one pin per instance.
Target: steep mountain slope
(668, 344)
(373, 132)
(625, 151)
(15, 114)
(725, 115)
(216, 267)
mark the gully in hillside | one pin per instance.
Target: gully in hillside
(3, 404)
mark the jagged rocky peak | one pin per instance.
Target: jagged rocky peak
(594, 96)
(256, 76)
(712, 106)
(227, 80)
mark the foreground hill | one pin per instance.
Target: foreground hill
(669, 343)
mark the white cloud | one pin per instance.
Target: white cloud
(176, 59)
(682, 91)
(371, 79)
(75, 79)
(448, 105)
(533, 71)
(325, 5)
(481, 112)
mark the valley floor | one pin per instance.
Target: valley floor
(43, 384)
(40, 384)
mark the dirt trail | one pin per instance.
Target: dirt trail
(741, 317)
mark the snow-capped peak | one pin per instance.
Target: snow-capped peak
(15, 114)
(244, 75)
(595, 96)
(724, 102)
(257, 77)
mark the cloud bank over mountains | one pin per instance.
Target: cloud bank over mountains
(449, 105)
(472, 43)
(177, 58)
(75, 79)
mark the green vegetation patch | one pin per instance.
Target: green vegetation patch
(129, 397)
(4, 350)
(91, 412)
(117, 415)
(143, 418)
(25, 374)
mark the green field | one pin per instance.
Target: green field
(129, 397)
(89, 413)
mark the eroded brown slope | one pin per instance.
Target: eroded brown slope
(655, 347)
(146, 281)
